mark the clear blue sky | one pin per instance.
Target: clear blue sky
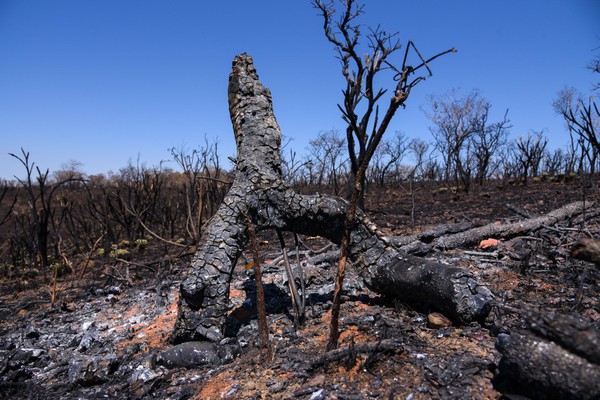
(103, 81)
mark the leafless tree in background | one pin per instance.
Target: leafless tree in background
(387, 160)
(328, 158)
(465, 137)
(418, 148)
(529, 153)
(594, 66)
(583, 120)
(454, 120)
(293, 166)
(7, 204)
(41, 192)
(488, 138)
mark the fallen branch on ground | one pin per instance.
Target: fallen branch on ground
(457, 235)
(369, 347)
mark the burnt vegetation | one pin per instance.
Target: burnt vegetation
(94, 276)
(47, 217)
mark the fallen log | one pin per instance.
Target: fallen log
(452, 236)
(259, 191)
(423, 243)
(513, 229)
(337, 355)
(542, 369)
(568, 331)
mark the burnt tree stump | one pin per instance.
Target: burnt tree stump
(259, 191)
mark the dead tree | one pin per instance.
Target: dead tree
(41, 195)
(6, 213)
(259, 191)
(530, 154)
(362, 131)
(582, 120)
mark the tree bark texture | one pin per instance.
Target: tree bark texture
(543, 370)
(259, 191)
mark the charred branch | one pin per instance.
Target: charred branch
(513, 229)
(340, 354)
(544, 370)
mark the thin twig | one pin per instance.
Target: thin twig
(151, 232)
(90, 254)
(263, 327)
(301, 275)
(291, 281)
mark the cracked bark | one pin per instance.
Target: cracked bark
(259, 191)
(556, 358)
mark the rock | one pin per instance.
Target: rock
(89, 371)
(88, 340)
(317, 380)
(194, 354)
(31, 332)
(24, 356)
(277, 387)
(488, 243)
(436, 321)
(87, 325)
(143, 374)
(114, 290)
(4, 358)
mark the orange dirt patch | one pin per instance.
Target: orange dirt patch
(217, 387)
(155, 332)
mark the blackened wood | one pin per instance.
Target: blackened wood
(513, 229)
(568, 331)
(452, 290)
(259, 191)
(542, 369)
(422, 243)
(336, 355)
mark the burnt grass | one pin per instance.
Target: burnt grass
(103, 337)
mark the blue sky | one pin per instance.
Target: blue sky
(106, 81)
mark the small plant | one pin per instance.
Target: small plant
(120, 253)
(141, 244)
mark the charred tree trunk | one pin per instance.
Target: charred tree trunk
(259, 191)
(557, 358)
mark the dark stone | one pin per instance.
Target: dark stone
(23, 356)
(89, 339)
(195, 354)
(90, 371)
(31, 332)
